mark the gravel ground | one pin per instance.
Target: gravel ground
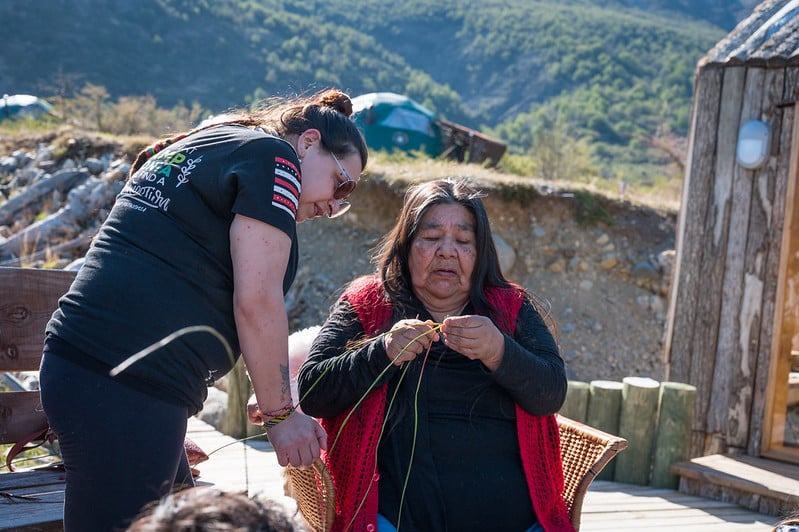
(608, 326)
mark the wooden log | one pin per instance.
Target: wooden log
(73, 249)
(637, 422)
(576, 404)
(672, 440)
(33, 196)
(604, 407)
(84, 202)
(238, 393)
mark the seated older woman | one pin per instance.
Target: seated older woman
(437, 380)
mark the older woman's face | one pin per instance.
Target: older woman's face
(443, 255)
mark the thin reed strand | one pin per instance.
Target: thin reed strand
(437, 327)
(125, 364)
(415, 433)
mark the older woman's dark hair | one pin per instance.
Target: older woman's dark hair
(391, 256)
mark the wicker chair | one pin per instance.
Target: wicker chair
(585, 451)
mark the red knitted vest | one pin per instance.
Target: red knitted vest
(353, 436)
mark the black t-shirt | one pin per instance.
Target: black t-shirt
(161, 261)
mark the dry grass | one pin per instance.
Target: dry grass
(69, 141)
(398, 171)
(394, 169)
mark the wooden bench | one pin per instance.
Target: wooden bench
(30, 500)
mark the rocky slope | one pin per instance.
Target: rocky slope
(602, 266)
(605, 282)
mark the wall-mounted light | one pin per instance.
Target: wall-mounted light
(753, 144)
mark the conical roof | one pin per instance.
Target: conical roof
(769, 36)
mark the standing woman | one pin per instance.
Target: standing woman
(202, 234)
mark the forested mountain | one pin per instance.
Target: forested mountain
(725, 14)
(613, 70)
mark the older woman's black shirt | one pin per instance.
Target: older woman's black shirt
(466, 471)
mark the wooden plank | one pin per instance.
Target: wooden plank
(762, 241)
(21, 415)
(731, 255)
(658, 504)
(677, 516)
(617, 507)
(45, 512)
(745, 473)
(30, 479)
(718, 222)
(27, 299)
(679, 337)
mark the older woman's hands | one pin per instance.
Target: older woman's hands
(475, 337)
(408, 338)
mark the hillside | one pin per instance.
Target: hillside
(614, 71)
(601, 265)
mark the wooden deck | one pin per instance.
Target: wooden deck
(618, 507)
(608, 505)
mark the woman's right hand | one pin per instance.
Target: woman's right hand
(407, 339)
(297, 440)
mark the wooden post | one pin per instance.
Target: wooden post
(238, 392)
(673, 438)
(576, 405)
(604, 407)
(637, 422)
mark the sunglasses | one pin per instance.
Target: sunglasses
(344, 188)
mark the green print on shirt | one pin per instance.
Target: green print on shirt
(155, 171)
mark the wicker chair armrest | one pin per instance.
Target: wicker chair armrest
(585, 451)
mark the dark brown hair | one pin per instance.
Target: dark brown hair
(328, 111)
(207, 509)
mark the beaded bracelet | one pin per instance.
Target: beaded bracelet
(273, 417)
(288, 407)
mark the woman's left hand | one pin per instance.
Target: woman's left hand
(475, 337)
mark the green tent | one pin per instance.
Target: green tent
(24, 105)
(394, 122)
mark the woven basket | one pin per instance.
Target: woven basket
(312, 488)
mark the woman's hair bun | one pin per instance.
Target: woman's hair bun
(337, 100)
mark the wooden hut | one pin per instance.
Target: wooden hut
(734, 312)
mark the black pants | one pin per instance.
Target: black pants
(121, 448)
